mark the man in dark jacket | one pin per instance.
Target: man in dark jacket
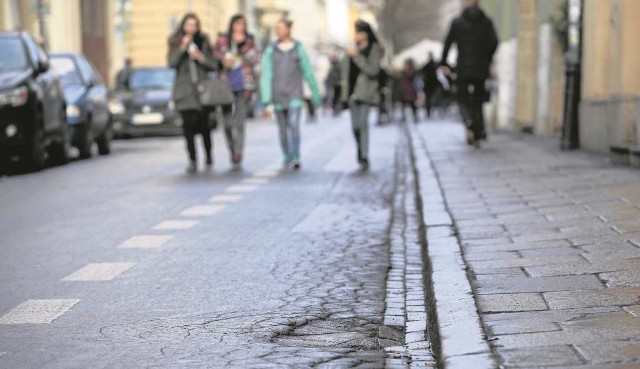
(475, 36)
(431, 83)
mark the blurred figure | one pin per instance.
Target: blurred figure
(190, 56)
(475, 35)
(333, 85)
(122, 78)
(361, 77)
(408, 93)
(431, 84)
(237, 51)
(284, 67)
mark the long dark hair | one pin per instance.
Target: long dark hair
(362, 26)
(178, 34)
(234, 19)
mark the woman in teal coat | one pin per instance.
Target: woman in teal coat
(285, 65)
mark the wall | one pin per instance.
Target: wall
(610, 108)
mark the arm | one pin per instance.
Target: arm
(449, 40)
(266, 78)
(176, 56)
(369, 65)
(307, 72)
(493, 40)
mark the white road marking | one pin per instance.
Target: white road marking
(99, 272)
(202, 210)
(269, 173)
(256, 181)
(226, 198)
(144, 242)
(176, 224)
(241, 188)
(38, 311)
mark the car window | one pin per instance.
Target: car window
(147, 79)
(86, 70)
(12, 55)
(35, 53)
(65, 69)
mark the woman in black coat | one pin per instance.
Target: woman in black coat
(190, 55)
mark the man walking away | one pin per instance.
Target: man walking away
(122, 78)
(431, 84)
(475, 36)
(333, 85)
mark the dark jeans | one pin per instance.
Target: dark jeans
(336, 100)
(471, 97)
(429, 99)
(311, 109)
(414, 110)
(196, 122)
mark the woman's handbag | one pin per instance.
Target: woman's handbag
(214, 92)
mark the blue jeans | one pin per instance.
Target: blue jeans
(289, 124)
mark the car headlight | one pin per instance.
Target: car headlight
(15, 97)
(116, 107)
(73, 111)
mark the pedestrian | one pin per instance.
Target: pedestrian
(333, 85)
(408, 92)
(190, 55)
(285, 65)
(122, 78)
(431, 84)
(385, 106)
(360, 76)
(475, 36)
(236, 50)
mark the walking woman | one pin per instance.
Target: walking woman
(361, 80)
(190, 55)
(237, 51)
(284, 66)
(408, 92)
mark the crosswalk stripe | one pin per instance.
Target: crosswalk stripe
(226, 198)
(38, 311)
(144, 242)
(99, 272)
(256, 181)
(270, 173)
(176, 224)
(202, 210)
(241, 188)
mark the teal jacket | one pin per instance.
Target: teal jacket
(266, 78)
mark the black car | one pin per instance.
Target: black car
(33, 122)
(87, 102)
(143, 104)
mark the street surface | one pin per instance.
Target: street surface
(127, 261)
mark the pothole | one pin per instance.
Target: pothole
(350, 333)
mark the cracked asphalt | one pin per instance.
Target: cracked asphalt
(292, 274)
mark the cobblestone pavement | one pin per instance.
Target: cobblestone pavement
(145, 266)
(552, 243)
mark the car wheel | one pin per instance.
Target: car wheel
(59, 151)
(36, 154)
(86, 141)
(104, 142)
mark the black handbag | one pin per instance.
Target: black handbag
(214, 92)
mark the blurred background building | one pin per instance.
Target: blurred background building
(530, 64)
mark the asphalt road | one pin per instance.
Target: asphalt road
(270, 269)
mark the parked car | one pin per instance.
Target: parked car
(87, 103)
(33, 124)
(143, 105)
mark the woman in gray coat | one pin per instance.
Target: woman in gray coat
(360, 78)
(190, 55)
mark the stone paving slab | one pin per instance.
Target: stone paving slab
(552, 245)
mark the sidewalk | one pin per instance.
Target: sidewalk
(552, 245)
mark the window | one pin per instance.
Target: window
(151, 79)
(65, 69)
(12, 55)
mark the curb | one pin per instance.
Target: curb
(456, 331)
